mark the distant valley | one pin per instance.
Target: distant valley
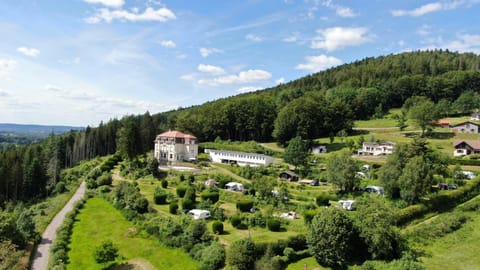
(25, 134)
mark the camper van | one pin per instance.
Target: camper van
(199, 214)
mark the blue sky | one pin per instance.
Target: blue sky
(78, 62)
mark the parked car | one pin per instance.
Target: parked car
(348, 205)
(199, 214)
(374, 189)
(314, 183)
(445, 186)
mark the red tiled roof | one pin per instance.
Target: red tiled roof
(473, 144)
(176, 134)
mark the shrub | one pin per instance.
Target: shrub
(236, 221)
(245, 205)
(212, 196)
(159, 196)
(187, 204)
(164, 183)
(181, 190)
(323, 199)
(217, 227)
(273, 224)
(190, 194)
(105, 179)
(59, 188)
(308, 215)
(173, 208)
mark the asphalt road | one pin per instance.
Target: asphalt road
(42, 254)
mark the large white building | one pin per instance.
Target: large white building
(174, 146)
(376, 148)
(240, 158)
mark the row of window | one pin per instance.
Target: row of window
(241, 156)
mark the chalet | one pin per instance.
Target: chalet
(174, 146)
(239, 158)
(464, 148)
(466, 127)
(376, 148)
(289, 176)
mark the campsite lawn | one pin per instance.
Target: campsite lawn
(99, 221)
(458, 250)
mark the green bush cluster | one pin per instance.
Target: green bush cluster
(173, 208)
(273, 224)
(323, 199)
(181, 190)
(217, 227)
(110, 163)
(160, 196)
(127, 196)
(60, 248)
(245, 205)
(212, 196)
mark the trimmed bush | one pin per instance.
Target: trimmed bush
(164, 183)
(188, 204)
(323, 199)
(273, 224)
(181, 190)
(173, 208)
(245, 205)
(236, 221)
(212, 196)
(159, 196)
(217, 227)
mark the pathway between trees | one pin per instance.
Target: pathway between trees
(42, 254)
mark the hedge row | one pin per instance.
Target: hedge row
(440, 202)
(460, 161)
(59, 250)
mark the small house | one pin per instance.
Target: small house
(443, 123)
(348, 205)
(466, 127)
(234, 186)
(289, 215)
(376, 148)
(464, 148)
(289, 176)
(211, 183)
(319, 149)
(199, 214)
(375, 189)
(475, 115)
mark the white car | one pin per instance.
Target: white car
(348, 205)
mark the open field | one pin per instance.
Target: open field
(99, 221)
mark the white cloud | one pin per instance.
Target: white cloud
(6, 67)
(188, 77)
(424, 30)
(401, 42)
(247, 89)
(335, 38)
(280, 80)
(205, 52)
(168, 44)
(254, 38)
(32, 52)
(345, 12)
(214, 70)
(249, 76)
(108, 3)
(4, 93)
(150, 14)
(464, 43)
(433, 7)
(181, 56)
(290, 39)
(319, 63)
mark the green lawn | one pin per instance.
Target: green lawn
(99, 221)
(310, 262)
(458, 250)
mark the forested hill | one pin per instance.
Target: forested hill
(328, 101)
(317, 105)
(35, 129)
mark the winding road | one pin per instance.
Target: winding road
(42, 254)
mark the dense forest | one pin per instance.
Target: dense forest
(317, 105)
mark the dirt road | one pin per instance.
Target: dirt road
(40, 261)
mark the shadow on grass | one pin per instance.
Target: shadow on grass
(336, 146)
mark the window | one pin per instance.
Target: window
(171, 156)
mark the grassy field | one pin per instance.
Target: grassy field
(99, 221)
(310, 262)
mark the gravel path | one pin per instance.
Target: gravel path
(42, 254)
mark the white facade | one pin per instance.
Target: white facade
(174, 146)
(376, 149)
(240, 158)
(466, 127)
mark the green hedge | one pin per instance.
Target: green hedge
(461, 161)
(212, 196)
(217, 227)
(181, 190)
(173, 208)
(440, 202)
(273, 224)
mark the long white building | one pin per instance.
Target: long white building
(174, 146)
(240, 158)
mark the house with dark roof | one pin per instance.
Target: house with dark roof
(466, 127)
(464, 148)
(174, 146)
(288, 176)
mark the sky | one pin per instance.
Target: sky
(80, 62)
